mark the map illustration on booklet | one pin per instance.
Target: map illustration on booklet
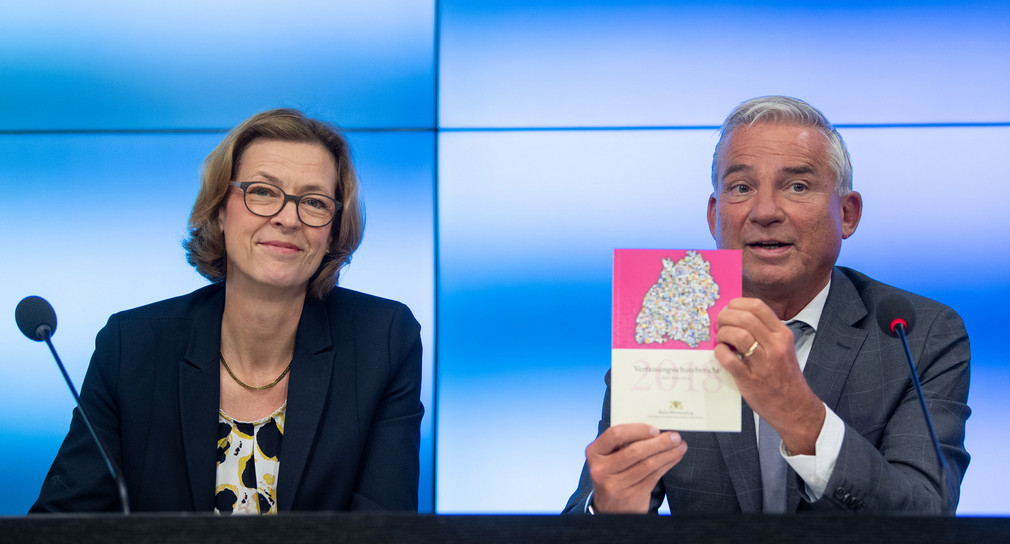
(663, 368)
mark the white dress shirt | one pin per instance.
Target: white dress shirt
(815, 470)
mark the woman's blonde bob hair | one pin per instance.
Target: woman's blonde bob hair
(205, 248)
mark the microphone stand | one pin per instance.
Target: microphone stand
(45, 332)
(899, 329)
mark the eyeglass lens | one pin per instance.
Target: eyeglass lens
(315, 210)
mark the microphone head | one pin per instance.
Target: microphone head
(895, 309)
(36, 318)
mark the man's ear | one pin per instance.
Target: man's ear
(851, 212)
(712, 214)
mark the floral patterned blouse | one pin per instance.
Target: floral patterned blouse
(248, 458)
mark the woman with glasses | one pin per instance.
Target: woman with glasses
(270, 389)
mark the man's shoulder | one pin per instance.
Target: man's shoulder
(871, 292)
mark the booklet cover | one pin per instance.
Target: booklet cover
(663, 367)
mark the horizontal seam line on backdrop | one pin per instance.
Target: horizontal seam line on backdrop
(15, 132)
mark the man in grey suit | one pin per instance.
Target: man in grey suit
(830, 416)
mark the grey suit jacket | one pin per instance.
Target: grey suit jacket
(886, 462)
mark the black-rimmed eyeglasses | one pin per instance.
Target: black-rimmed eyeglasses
(267, 200)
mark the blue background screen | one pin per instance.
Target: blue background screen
(505, 148)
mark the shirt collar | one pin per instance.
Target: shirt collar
(811, 313)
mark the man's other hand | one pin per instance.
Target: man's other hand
(626, 462)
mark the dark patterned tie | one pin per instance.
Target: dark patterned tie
(773, 466)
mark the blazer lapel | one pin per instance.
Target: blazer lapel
(837, 341)
(200, 399)
(836, 345)
(311, 375)
(831, 358)
(740, 453)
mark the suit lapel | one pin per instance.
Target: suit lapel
(836, 345)
(199, 400)
(739, 452)
(311, 375)
(837, 341)
(831, 358)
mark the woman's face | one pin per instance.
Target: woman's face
(277, 253)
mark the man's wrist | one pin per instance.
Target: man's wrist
(815, 470)
(804, 442)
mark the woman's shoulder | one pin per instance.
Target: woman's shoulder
(183, 306)
(347, 306)
(341, 297)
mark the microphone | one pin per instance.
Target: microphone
(37, 320)
(896, 316)
(894, 311)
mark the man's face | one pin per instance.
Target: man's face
(775, 200)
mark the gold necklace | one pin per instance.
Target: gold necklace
(250, 387)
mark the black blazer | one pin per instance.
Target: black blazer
(152, 391)
(886, 463)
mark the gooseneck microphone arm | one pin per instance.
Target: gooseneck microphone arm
(899, 329)
(897, 316)
(113, 470)
(37, 320)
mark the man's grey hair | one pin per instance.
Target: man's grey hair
(784, 110)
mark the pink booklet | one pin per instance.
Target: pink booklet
(663, 370)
